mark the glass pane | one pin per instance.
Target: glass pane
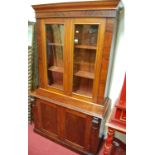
(55, 47)
(85, 42)
(86, 34)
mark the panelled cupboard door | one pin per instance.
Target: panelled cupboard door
(46, 117)
(77, 129)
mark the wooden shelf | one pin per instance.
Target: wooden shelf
(56, 69)
(85, 74)
(55, 44)
(86, 47)
(83, 93)
(57, 86)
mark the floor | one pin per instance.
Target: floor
(38, 145)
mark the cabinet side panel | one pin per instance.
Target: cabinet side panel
(35, 114)
(105, 59)
(98, 63)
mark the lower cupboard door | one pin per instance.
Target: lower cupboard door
(47, 117)
(77, 128)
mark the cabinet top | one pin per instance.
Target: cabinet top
(84, 5)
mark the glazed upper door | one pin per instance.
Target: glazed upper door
(87, 55)
(55, 53)
(54, 47)
(54, 33)
(71, 56)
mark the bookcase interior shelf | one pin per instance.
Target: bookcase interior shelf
(55, 44)
(84, 74)
(87, 93)
(57, 86)
(92, 48)
(56, 69)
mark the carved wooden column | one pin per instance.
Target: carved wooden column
(108, 142)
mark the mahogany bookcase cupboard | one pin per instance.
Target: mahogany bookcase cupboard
(75, 44)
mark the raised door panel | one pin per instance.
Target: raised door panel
(48, 117)
(77, 129)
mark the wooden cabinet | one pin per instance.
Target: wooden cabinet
(73, 128)
(75, 44)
